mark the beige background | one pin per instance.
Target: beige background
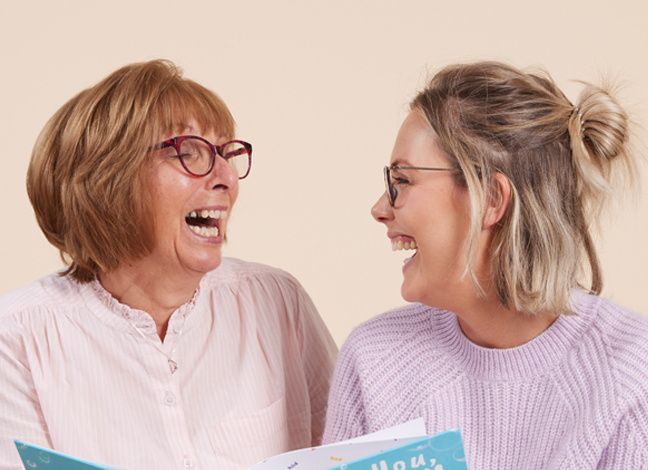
(320, 89)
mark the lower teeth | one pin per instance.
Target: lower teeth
(205, 231)
(407, 260)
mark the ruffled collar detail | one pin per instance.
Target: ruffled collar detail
(140, 318)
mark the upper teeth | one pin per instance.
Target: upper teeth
(211, 214)
(399, 245)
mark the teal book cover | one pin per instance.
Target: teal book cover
(403, 447)
(35, 457)
(442, 451)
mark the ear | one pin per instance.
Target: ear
(498, 199)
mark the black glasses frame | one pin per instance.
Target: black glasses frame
(175, 142)
(392, 194)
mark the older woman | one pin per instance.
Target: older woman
(495, 180)
(150, 350)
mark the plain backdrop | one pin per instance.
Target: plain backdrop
(319, 89)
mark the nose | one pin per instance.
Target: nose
(222, 177)
(381, 210)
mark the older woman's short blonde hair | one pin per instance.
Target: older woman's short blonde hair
(559, 159)
(87, 175)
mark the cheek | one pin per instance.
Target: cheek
(168, 197)
(462, 206)
(442, 234)
(233, 195)
(171, 187)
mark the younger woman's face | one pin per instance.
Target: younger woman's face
(431, 215)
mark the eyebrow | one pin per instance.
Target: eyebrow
(188, 130)
(399, 162)
(182, 128)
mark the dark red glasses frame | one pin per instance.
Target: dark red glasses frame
(175, 142)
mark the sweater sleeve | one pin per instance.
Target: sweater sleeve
(628, 447)
(345, 418)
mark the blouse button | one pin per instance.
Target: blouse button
(187, 462)
(177, 328)
(169, 400)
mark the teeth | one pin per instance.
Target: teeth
(205, 231)
(217, 214)
(400, 245)
(208, 214)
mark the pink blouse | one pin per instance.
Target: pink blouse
(85, 375)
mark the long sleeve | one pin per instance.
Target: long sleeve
(345, 417)
(21, 416)
(85, 375)
(319, 354)
(627, 446)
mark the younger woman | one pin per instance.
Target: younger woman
(494, 181)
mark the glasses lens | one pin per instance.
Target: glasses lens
(391, 191)
(238, 156)
(196, 156)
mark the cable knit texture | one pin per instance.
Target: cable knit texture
(575, 397)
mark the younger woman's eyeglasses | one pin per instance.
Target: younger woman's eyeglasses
(392, 193)
(198, 156)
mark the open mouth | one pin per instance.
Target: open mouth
(398, 245)
(205, 223)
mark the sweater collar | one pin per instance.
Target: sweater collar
(536, 357)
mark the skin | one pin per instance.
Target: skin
(169, 276)
(433, 210)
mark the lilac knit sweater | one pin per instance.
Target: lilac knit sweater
(576, 397)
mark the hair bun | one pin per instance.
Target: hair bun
(600, 123)
(598, 129)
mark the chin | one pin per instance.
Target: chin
(211, 266)
(409, 294)
(423, 294)
(206, 264)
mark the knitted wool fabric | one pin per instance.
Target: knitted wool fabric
(575, 397)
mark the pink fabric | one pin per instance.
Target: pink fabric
(575, 397)
(254, 365)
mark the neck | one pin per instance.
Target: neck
(158, 294)
(483, 319)
(494, 326)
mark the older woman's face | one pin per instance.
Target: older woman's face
(431, 215)
(190, 213)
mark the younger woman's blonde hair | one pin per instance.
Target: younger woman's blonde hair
(559, 159)
(87, 175)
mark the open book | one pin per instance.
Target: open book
(403, 447)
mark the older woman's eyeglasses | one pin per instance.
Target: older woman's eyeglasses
(198, 155)
(392, 193)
